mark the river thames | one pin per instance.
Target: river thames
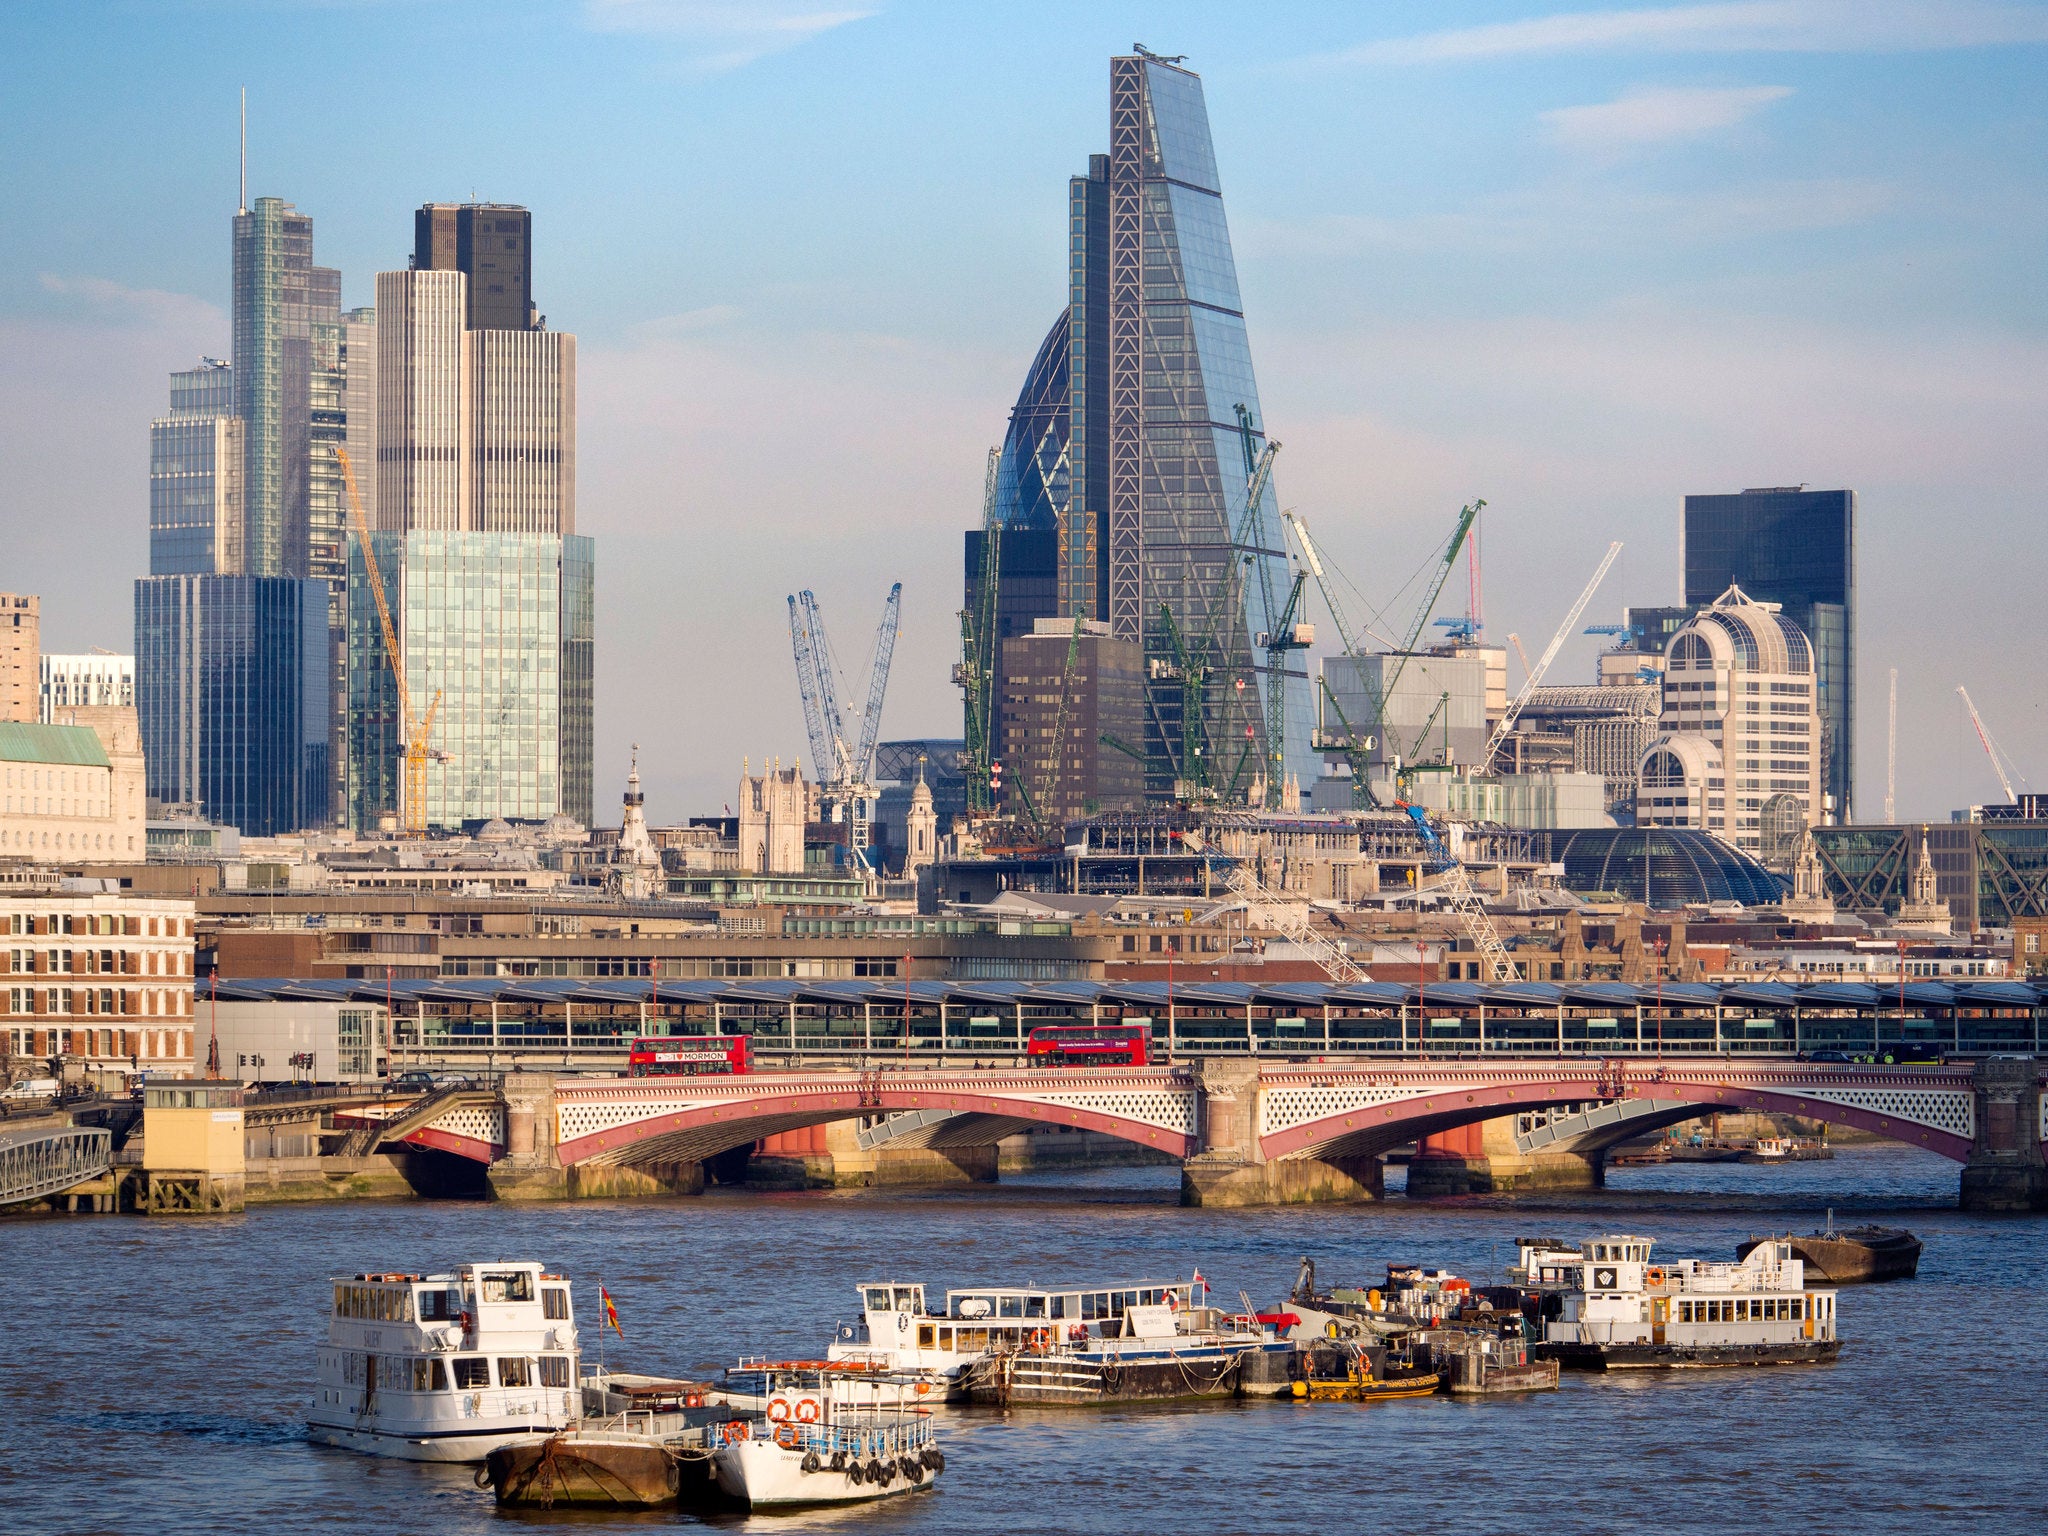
(156, 1370)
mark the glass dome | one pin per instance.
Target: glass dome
(1662, 866)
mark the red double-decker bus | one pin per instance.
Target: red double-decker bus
(1090, 1045)
(689, 1055)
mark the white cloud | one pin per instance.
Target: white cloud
(1564, 216)
(722, 34)
(107, 302)
(1748, 26)
(1646, 115)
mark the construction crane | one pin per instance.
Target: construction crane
(1285, 633)
(1050, 787)
(1515, 707)
(1462, 897)
(844, 762)
(1516, 641)
(1355, 743)
(418, 734)
(1268, 910)
(1991, 750)
(980, 653)
(1891, 753)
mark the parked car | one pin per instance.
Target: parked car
(1838, 1056)
(33, 1088)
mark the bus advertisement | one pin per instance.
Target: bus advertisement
(689, 1055)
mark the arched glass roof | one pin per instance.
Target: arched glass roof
(1663, 866)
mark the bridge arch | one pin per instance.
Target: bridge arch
(1377, 1128)
(694, 1132)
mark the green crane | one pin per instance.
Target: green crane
(1355, 743)
(975, 672)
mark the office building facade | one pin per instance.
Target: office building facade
(97, 680)
(278, 296)
(197, 459)
(1738, 751)
(1056, 718)
(492, 591)
(1131, 439)
(491, 245)
(498, 627)
(232, 677)
(1796, 548)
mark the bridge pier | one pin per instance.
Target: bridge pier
(1232, 1170)
(530, 1168)
(1484, 1159)
(2005, 1171)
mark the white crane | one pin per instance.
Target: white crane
(1514, 709)
(1991, 750)
(844, 770)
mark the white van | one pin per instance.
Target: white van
(32, 1088)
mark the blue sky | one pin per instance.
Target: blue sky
(1578, 262)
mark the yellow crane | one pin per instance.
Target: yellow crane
(413, 800)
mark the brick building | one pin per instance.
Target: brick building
(95, 985)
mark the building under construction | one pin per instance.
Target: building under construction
(1129, 460)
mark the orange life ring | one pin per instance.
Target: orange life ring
(807, 1411)
(785, 1436)
(778, 1411)
(1654, 1274)
(736, 1429)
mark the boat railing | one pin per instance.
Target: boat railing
(861, 1435)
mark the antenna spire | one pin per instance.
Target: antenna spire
(242, 193)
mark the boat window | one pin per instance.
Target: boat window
(515, 1371)
(437, 1377)
(513, 1287)
(554, 1302)
(1090, 1307)
(972, 1341)
(1059, 1307)
(1034, 1306)
(471, 1371)
(945, 1338)
(926, 1336)
(1012, 1306)
(439, 1306)
(554, 1370)
(906, 1299)
(1798, 1309)
(878, 1298)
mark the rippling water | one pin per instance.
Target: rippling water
(154, 1371)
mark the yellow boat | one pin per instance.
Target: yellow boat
(1366, 1388)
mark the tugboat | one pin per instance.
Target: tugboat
(1608, 1308)
(1788, 1149)
(815, 1443)
(1346, 1372)
(446, 1367)
(1854, 1255)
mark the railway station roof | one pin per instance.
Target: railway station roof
(1147, 996)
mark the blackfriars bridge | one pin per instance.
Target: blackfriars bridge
(1247, 1129)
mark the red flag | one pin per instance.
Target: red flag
(611, 1313)
(1198, 1280)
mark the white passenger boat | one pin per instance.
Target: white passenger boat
(446, 1367)
(826, 1438)
(1606, 1307)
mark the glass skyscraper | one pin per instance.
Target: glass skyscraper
(492, 591)
(1797, 548)
(231, 679)
(1130, 436)
(278, 295)
(498, 625)
(195, 476)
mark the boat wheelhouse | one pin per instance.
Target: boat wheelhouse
(446, 1367)
(1611, 1308)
